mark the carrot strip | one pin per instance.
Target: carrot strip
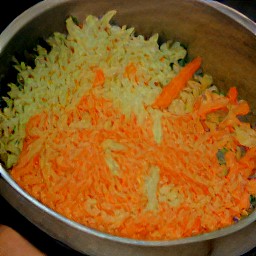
(232, 95)
(242, 108)
(99, 77)
(212, 104)
(174, 87)
(130, 70)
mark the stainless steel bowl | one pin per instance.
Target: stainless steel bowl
(224, 38)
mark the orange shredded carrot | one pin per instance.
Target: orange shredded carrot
(99, 77)
(172, 90)
(232, 95)
(242, 108)
(98, 174)
(130, 72)
(130, 69)
(211, 104)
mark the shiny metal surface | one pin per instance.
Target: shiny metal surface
(234, 14)
(226, 41)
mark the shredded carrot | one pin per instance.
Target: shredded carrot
(99, 77)
(213, 102)
(232, 95)
(172, 90)
(130, 72)
(113, 176)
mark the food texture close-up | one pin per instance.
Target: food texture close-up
(129, 134)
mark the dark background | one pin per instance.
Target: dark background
(8, 215)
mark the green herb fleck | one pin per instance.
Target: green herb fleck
(182, 62)
(221, 156)
(75, 20)
(253, 201)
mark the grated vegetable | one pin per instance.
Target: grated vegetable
(110, 131)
